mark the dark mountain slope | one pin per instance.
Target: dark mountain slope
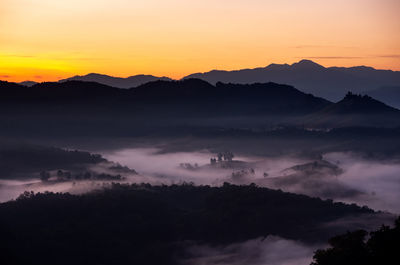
(89, 106)
(119, 82)
(54, 91)
(257, 99)
(331, 83)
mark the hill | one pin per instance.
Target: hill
(355, 110)
(87, 107)
(144, 224)
(327, 82)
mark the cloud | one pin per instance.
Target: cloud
(321, 46)
(389, 56)
(17, 55)
(333, 57)
(309, 46)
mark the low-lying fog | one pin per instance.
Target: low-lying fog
(343, 177)
(256, 252)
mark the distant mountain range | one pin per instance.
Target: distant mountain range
(129, 82)
(330, 83)
(77, 107)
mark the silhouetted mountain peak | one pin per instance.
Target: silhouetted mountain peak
(307, 64)
(362, 68)
(275, 66)
(310, 77)
(28, 83)
(95, 75)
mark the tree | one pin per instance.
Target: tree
(383, 247)
(44, 176)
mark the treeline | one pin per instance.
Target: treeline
(22, 160)
(352, 248)
(144, 224)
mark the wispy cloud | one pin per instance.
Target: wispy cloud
(332, 57)
(309, 46)
(389, 56)
(17, 55)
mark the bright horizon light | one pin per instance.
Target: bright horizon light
(47, 40)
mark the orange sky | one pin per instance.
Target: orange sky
(52, 39)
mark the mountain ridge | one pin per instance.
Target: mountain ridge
(306, 75)
(120, 82)
(328, 82)
(193, 102)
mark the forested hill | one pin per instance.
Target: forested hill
(143, 224)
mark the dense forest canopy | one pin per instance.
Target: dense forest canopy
(144, 224)
(362, 248)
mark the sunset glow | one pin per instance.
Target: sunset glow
(45, 40)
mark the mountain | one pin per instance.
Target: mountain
(355, 110)
(53, 91)
(327, 82)
(76, 107)
(388, 95)
(28, 83)
(132, 81)
(189, 96)
(231, 99)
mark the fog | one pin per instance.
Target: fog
(373, 183)
(346, 177)
(379, 181)
(10, 190)
(256, 252)
(151, 162)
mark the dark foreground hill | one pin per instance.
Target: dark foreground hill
(18, 160)
(256, 98)
(143, 224)
(359, 248)
(88, 107)
(84, 108)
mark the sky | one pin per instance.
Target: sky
(47, 40)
